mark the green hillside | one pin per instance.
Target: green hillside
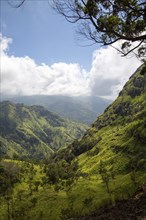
(107, 165)
(33, 131)
(118, 137)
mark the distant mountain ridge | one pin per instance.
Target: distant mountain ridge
(33, 131)
(79, 108)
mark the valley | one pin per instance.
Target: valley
(34, 132)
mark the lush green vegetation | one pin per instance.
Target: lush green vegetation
(108, 164)
(34, 132)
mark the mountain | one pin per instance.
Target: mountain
(79, 108)
(33, 131)
(122, 126)
(112, 153)
(100, 176)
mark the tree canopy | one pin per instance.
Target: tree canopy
(108, 21)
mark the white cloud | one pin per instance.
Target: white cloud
(4, 43)
(22, 76)
(110, 71)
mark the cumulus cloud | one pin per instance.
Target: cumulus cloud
(110, 71)
(22, 76)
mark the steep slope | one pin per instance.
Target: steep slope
(121, 129)
(130, 209)
(34, 131)
(84, 109)
(112, 153)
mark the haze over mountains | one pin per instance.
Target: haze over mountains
(79, 108)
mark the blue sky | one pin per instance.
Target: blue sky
(37, 31)
(40, 54)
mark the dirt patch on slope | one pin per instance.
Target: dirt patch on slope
(131, 209)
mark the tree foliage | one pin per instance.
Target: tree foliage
(108, 21)
(9, 175)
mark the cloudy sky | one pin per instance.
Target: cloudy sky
(41, 55)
